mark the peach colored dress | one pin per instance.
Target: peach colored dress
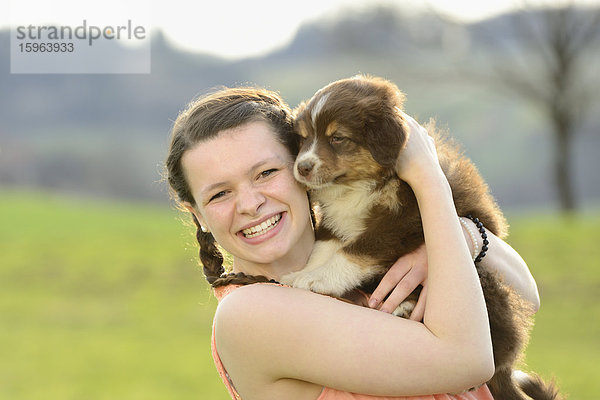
(482, 393)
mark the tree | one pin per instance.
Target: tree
(551, 64)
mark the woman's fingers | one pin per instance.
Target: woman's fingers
(401, 291)
(408, 272)
(389, 281)
(419, 310)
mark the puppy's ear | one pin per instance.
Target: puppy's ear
(298, 125)
(386, 136)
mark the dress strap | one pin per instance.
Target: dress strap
(221, 368)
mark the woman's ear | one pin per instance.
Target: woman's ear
(196, 215)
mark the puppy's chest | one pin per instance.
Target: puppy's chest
(345, 211)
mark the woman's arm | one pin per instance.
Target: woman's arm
(269, 336)
(451, 268)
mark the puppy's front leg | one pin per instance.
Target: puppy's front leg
(328, 271)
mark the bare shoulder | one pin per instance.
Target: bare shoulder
(278, 316)
(254, 294)
(253, 303)
(257, 330)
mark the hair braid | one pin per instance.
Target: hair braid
(210, 256)
(240, 278)
(212, 263)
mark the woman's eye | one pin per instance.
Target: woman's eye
(337, 139)
(217, 195)
(267, 172)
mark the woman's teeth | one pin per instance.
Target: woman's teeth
(262, 228)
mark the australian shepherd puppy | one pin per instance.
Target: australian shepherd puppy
(351, 133)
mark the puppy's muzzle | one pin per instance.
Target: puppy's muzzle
(305, 167)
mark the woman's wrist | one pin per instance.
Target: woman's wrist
(476, 236)
(471, 237)
(504, 260)
(430, 180)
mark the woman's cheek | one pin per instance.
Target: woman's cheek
(218, 215)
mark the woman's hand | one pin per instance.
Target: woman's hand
(419, 156)
(408, 272)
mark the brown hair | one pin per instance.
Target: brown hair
(202, 120)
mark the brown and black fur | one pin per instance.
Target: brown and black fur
(354, 133)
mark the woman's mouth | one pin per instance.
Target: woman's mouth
(262, 228)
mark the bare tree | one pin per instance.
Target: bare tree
(551, 63)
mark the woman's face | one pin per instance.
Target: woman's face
(246, 195)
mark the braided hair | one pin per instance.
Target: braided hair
(202, 120)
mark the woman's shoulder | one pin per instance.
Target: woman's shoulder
(270, 307)
(236, 300)
(254, 327)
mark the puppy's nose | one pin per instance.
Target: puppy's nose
(305, 166)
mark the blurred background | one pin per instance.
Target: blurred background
(101, 296)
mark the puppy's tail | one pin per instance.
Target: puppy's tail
(535, 387)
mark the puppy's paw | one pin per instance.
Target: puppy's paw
(291, 278)
(323, 287)
(405, 309)
(313, 281)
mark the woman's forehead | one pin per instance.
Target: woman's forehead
(242, 143)
(232, 153)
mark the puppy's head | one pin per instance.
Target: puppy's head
(350, 130)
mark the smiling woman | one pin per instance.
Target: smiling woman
(245, 195)
(230, 166)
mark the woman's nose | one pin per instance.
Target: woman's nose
(249, 201)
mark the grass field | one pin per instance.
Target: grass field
(105, 300)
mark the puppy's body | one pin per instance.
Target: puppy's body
(352, 133)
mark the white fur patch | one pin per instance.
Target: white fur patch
(308, 155)
(317, 109)
(388, 196)
(328, 271)
(346, 217)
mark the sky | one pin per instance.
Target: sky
(229, 28)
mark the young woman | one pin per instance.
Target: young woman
(230, 164)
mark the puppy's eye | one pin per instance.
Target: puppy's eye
(337, 139)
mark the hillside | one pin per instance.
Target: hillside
(106, 135)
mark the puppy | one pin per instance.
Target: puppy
(351, 132)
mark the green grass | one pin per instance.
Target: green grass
(564, 256)
(103, 300)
